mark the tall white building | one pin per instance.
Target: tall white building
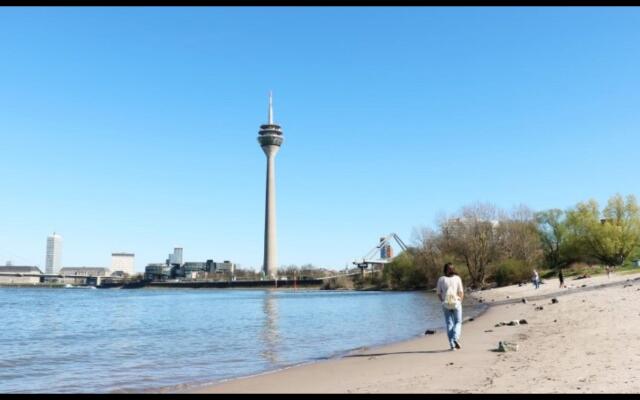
(54, 254)
(123, 262)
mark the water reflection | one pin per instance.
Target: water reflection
(270, 335)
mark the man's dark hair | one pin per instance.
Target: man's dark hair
(449, 269)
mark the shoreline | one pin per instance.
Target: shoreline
(188, 387)
(356, 352)
(390, 365)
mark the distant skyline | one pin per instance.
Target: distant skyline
(134, 129)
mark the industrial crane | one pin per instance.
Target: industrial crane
(369, 259)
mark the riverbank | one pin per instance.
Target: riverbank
(33, 285)
(586, 342)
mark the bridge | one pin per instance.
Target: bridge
(59, 276)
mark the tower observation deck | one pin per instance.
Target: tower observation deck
(270, 134)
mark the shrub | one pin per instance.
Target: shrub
(512, 271)
(579, 268)
(340, 282)
(404, 273)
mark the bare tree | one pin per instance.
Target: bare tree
(519, 237)
(429, 255)
(472, 236)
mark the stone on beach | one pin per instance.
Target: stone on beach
(429, 332)
(554, 300)
(514, 322)
(504, 346)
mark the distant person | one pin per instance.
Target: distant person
(609, 271)
(536, 279)
(451, 293)
(561, 279)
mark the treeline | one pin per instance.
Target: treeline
(306, 271)
(491, 246)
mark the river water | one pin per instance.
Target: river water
(117, 340)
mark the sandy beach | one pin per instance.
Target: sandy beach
(587, 342)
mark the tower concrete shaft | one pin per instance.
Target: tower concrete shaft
(270, 230)
(270, 139)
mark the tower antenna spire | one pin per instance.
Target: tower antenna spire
(270, 108)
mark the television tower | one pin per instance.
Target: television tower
(270, 138)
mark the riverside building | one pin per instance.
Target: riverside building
(123, 262)
(20, 274)
(79, 275)
(53, 260)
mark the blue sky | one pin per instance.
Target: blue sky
(134, 129)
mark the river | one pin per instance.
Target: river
(118, 340)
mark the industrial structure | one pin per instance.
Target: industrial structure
(270, 139)
(384, 253)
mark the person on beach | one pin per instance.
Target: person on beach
(561, 279)
(608, 271)
(536, 279)
(451, 293)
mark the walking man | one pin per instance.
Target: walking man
(536, 279)
(451, 293)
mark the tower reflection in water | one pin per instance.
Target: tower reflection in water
(270, 335)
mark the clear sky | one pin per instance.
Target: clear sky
(134, 129)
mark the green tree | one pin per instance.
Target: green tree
(611, 236)
(555, 238)
(511, 271)
(408, 271)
